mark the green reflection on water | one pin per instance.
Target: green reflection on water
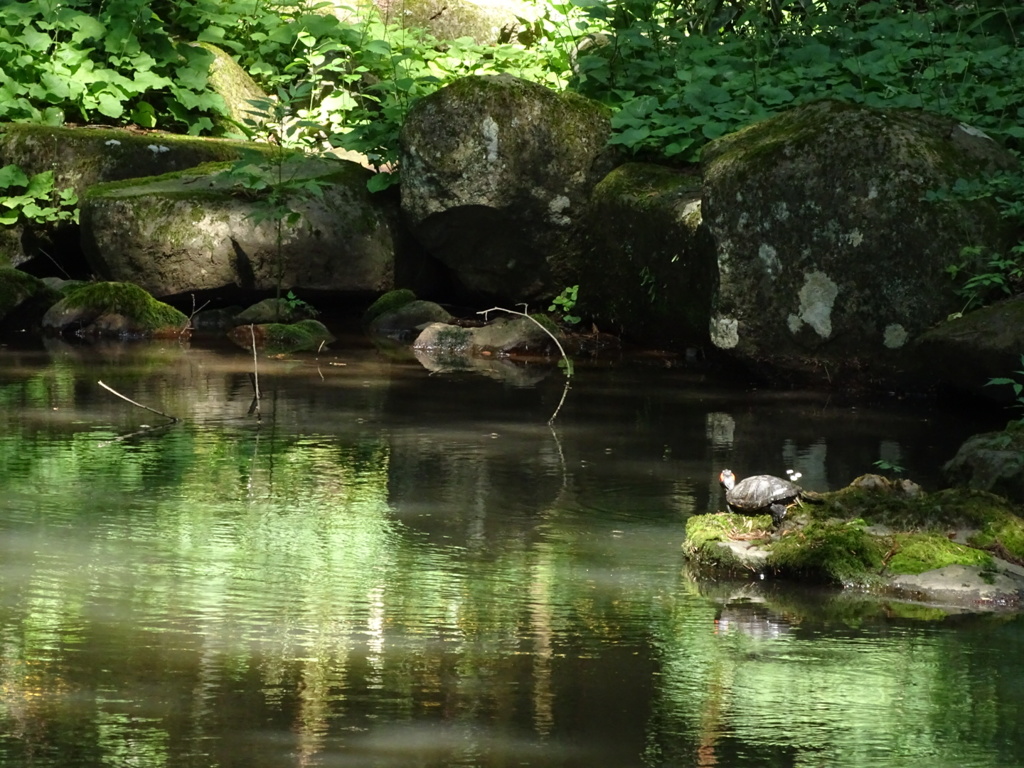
(234, 594)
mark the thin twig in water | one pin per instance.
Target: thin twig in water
(255, 375)
(188, 323)
(173, 419)
(565, 357)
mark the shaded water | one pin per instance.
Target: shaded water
(392, 568)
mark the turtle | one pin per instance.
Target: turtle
(758, 494)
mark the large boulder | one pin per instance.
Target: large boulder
(81, 157)
(23, 298)
(197, 231)
(991, 461)
(967, 351)
(830, 259)
(649, 271)
(496, 178)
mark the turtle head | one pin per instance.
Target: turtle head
(727, 479)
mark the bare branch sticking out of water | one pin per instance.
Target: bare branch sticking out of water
(565, 357)
(188, 323)
(174, 419)
(255, 407)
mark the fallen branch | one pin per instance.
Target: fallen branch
(173, 419)
(565, 357)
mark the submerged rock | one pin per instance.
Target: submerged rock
(282, 338)
(954, 546)
(275, 311)
(405, 320)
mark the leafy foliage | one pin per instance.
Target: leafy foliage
(565, 302)
(34, 199)
(1016, 382)
(680, 74)
(109, 62)
(985, 276)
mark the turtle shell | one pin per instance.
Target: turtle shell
(759, 492)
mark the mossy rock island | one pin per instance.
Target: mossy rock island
(957, 547)
(114, 310)
(282, 338)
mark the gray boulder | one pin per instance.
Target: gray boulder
(966, 351)
(199, 230)
(650, 265)
(991, 461)
(829, 259)
(496, 178)
(81, 157)
(406, 321)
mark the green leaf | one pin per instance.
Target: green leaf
(381, 181)
(144, 115)
(110, 104)
(12, 176)
(40, 185)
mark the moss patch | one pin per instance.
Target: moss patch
(282, 338)
(145, 314)
(15, 287)
(831, 552)
(915, 553)
(388, 302)
(705, 535)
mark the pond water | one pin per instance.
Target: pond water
(391, 567)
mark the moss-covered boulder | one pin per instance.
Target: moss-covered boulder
(282, 338)
(496, 179)
(650, 266)
(991, 461)
(81, 157)
(965, 351)
(955, 546)
(830, 257)
(208, 230)
(281, 310)
(388, 301)
(114, 310)
(17, 289)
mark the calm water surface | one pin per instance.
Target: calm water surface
(393, 567)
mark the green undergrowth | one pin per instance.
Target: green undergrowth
(676, 74)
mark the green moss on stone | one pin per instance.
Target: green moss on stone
(919, 552)
(306, 335)
(836, 552)
(130, 301)
(15, 287)
(388, 302)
